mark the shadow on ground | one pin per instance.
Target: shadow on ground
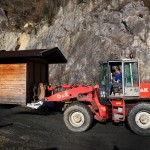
(6, 125)
(57, 109)
(7, 106)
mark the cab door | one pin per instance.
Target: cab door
(104, 81)
(131, 78)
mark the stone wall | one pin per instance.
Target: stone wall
(88, 31)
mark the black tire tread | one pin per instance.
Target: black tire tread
(81, 107)
(131, 118)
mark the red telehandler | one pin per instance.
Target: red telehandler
(128, 101)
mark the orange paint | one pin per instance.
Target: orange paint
(145, 90)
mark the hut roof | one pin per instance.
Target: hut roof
(52, 56)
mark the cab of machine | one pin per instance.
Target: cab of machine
(128, 87)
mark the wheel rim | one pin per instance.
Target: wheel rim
(76, 119)
(142, 119)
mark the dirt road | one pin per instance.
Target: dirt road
(26, 129)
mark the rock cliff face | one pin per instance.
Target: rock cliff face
(87, 31)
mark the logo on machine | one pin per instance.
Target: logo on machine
(64, 94)
(144, 90)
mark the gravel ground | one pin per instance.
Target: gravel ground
(22, 128)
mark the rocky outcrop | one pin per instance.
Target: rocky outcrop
(88, 31)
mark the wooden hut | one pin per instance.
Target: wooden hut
(21, 70)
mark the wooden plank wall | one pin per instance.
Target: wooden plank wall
(13, 83)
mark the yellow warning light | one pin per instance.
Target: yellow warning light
(103, 108)
(118, 103)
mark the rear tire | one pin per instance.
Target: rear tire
(139, 119)
(78, 117)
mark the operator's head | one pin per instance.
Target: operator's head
(117, 70)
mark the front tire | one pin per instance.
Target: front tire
(78, 117)
(139, 119)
